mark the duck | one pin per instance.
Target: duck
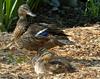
(21, 25)
(36, 36)
(39, 36)
(49, 63)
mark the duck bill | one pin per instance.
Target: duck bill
(31, 14)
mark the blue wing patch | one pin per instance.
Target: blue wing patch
(42, 33)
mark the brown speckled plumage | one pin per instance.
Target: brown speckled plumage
(21, 25)
(30, 42)
(24, 33)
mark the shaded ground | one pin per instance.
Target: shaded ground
(84, 55)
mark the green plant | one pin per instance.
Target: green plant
(8, 12)
(1, 16)
(92, 8)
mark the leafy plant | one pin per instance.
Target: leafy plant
(92, 8)
(8, 12)
(1, 16)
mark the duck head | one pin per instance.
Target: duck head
(25, 10)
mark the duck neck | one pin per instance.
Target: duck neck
(22, 17)
(22, 20)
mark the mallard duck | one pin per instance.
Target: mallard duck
(38, 36)
(48, 63)
(22, 24)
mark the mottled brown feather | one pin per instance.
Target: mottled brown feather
(21, 27)
(30, 42)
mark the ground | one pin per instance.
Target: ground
(84, 55)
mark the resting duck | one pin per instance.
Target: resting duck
(48, 64)
(22, 24)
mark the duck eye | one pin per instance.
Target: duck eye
(25, 8)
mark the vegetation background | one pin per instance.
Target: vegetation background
(8, 9)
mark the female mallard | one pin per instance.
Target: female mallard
(40, 36)
(36, 36)
(22, 23)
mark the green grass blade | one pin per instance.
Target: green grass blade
(13, 7)
(2, 28)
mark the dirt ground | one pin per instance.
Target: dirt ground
(84, 55)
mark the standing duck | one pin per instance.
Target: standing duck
(22, 24)
(39, 36)
(36, 36)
